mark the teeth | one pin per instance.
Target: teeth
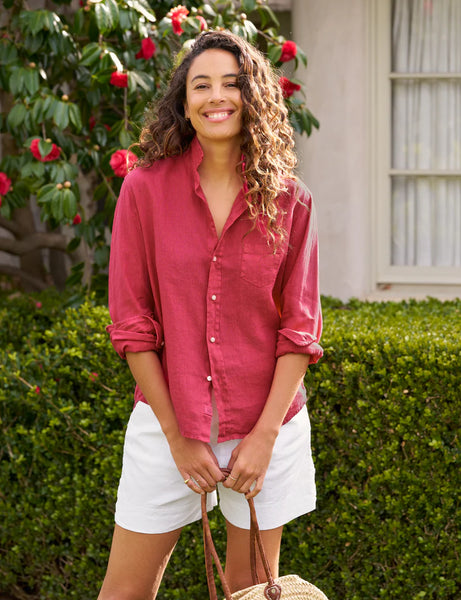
(218, 115)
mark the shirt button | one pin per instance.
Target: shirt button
(214, 259)
(208, 378)
(213, 297)
(212, 340)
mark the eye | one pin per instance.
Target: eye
(232, 84)
(200, 86)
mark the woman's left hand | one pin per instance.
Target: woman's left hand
(249, 463)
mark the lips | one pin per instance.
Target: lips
(218, 116)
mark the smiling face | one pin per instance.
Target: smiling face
(213, 98)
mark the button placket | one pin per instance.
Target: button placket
(213, 308)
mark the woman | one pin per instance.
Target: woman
(213, 294)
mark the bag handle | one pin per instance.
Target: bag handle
(272, 590)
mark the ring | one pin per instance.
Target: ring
(230, 477)
(186, 481)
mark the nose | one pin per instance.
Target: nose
(217, 94)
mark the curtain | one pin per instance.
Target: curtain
(426, 122)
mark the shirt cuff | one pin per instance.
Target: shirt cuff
(137, 334)
(298, 342)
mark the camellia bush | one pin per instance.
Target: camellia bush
(74, 85)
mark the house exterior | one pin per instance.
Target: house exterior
(384, 80)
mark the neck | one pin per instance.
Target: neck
(219, 159)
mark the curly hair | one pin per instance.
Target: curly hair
(267, 141)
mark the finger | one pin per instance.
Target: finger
(245, 485)
(230, 464)
(255, 489)
(204, 484)
(231, 480)
(193, 485)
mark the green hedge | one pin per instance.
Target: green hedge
(385, 406)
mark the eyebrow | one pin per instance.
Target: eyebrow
(208, 77)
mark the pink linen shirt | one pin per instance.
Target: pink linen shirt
(218, 311)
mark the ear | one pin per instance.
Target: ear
(186, 110)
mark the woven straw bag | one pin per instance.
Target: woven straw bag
(288, 587)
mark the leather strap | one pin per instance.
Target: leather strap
(272, 590)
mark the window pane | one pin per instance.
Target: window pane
(426, 123)
(426, 222)
(426, 133)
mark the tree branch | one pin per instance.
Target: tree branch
(11, 226)
(33, 242)
(36, 283)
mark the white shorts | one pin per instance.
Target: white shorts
(152, 496)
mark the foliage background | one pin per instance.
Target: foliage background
(386, 416)
(56, 85)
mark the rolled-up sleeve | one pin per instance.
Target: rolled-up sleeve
(135, 324)
(301, 316)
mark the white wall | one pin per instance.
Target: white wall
(334, 161)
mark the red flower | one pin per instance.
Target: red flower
(5, 184)
(177, 16)
(289, 50)
(77, 220)
(288, 87)
(52, 155)
(121, 161)
(147, 49)
(37, 389)
(93, 376)
(38, 305)
(92, 124)
(119, 79)
(203, 23)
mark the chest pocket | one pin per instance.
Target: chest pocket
(259, 265)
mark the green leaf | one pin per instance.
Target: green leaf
(16, 82)
(75, 116)
(274, 52)
(301, 55)
(34, 169)
(61, 115)
(248, 5)
(8, 53)
(38, 110)
(33, 42)
(208, 10)
(267, 16)
(45, 194)
(44, 147)
(125, 138)
(143, 8)
(143, 80)
(56, 205)
(103, 18)
(31, 81)
(101, 256)
(69, 203)
(90, 55)
(74, 244)
(112, 7)
(16, 115)
(79, 21)
(251, 30)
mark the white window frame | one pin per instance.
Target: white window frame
(381, 79)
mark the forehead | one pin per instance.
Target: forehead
(213, 63)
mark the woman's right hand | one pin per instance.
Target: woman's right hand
(197, 464)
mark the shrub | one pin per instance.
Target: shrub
(385, 411)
